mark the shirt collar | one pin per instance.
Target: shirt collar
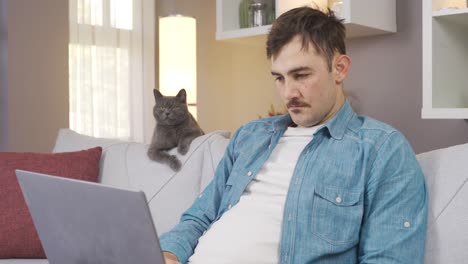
(336, 126)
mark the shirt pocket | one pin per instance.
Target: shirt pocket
(337, 214)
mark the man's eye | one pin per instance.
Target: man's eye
(300, 76)
(278, 79)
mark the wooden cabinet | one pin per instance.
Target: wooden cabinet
(445, 61)
(362, 17)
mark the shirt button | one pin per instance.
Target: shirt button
(230, 206)
(338, 199)
(200, 196)
(249, 173)
(407, 224)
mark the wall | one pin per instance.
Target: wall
(3, 76)
(386, 78)
(36, 74)
(385, 81)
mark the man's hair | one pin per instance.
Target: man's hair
(324, 31)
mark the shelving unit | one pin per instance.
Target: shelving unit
(227, 21)
(445, 62)
(369, 17)
(362, 18)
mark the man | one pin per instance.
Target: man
(319, 185)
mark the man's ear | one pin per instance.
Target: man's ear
(341, 67)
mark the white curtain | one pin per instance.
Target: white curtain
(111, 64)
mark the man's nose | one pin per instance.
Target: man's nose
(291, 89)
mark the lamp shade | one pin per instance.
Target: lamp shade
(178, 58)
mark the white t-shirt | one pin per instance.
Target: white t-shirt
(250, 231)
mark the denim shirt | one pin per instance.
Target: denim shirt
(357, 194)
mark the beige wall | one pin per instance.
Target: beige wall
(234, 82)
(36, 72)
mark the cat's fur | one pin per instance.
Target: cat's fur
(175, 127)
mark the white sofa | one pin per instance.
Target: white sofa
(124, 164)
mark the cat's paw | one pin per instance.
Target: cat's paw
(175, 163)
(183, 149)
(152, 155)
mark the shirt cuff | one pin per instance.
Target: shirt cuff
(176, 249)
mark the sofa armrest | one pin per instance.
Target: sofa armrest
(446, 176)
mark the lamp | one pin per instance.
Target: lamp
(178, 58)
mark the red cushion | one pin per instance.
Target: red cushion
(18, 236)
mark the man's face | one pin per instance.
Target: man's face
(311, 92)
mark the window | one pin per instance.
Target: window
(111, 64)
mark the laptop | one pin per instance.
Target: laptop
(89, 223)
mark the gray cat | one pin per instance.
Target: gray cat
(175, 127)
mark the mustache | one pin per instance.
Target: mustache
(297, 103)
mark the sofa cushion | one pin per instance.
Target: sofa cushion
(126, 165)
(18, 236)
(446, 176)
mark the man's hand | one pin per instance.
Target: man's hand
(170, 258)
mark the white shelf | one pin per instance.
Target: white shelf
(453, 15)
(445, 63)
(228, 25)
(450, 12)
(445, 113)
(243, 32)
(362, 18)
(369, 17)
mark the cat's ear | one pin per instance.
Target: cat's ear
(182, 95)
(157, 94)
